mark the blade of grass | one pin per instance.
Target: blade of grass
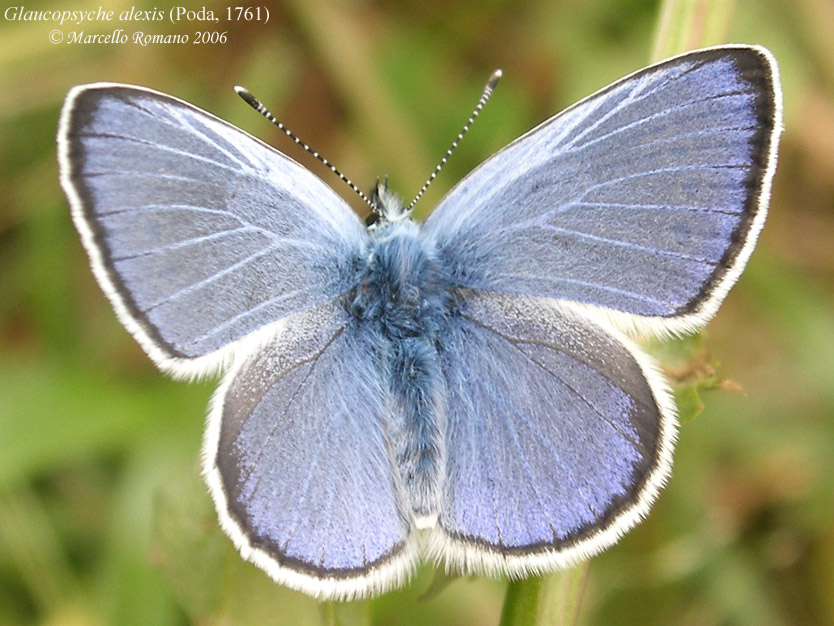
(343, 45)
(30, 542)
(687, 24)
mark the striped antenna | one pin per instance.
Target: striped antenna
(253, 102)
(490, 86)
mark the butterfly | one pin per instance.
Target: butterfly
(466, 390)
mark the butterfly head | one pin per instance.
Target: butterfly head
(387, 206)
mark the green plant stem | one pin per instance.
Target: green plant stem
(552, 600)
(328, 614)
(356, 613)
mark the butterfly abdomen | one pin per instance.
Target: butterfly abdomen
(404, 296)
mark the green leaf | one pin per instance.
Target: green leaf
(692, 370)
(688, 400)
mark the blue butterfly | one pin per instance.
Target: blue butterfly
(465, 390)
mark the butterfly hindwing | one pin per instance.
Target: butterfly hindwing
(199, 233)
(299, 464)
(559, 436)
(645, 199)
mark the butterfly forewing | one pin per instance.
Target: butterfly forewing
(645, 199)
(198, 233)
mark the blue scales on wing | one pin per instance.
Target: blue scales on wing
(559, 436)
(643, 198)
(303, 462)
(199, 233)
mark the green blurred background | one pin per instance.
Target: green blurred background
(103, 517)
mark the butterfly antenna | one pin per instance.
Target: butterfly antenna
(490, 87)
(256, 104)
